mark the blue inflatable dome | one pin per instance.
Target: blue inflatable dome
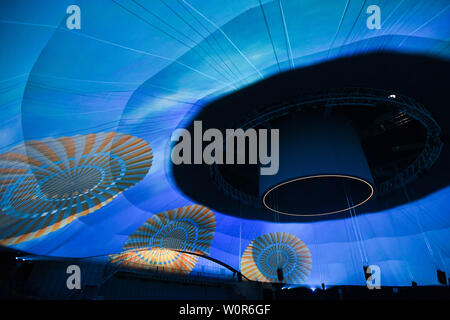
(88, 112)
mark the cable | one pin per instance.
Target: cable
(339, 27)
(270, 35)
(203, 37)
(213, 36)
(226, 36)
(353, 26)
(186, 36)
(166, 33)
(286, 35)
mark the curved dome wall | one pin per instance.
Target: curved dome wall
(144, 77)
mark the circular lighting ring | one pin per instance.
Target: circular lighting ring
(336, 98)
(312, 177)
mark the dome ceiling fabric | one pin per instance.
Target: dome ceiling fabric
(142, 69)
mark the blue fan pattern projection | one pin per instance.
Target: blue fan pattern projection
(277, 251)
(189, 228)
(155, 259)
(124, 71)
(154, 245)
(46, 184)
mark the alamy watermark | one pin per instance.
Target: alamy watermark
(74, 20)
(374, 20)
(74, 280)
(374, 277)
(228, 148)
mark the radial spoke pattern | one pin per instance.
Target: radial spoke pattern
(189, 228)
(279, 250)
(155, 259)
(154, 244)
(46, 184)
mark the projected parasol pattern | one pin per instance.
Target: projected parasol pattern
(156, 244)
(46, 184)
(268, 254)
(156, 259)
(190, 228)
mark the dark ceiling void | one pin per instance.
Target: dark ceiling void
(395, 151)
